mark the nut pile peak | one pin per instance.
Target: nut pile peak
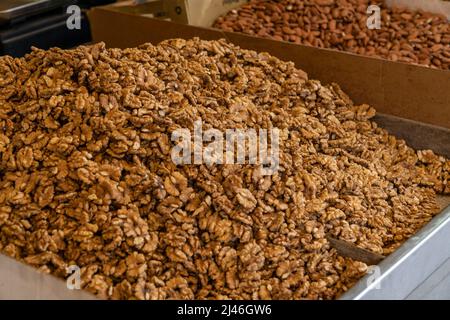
(87, 176)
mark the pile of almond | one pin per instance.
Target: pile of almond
(414, 37)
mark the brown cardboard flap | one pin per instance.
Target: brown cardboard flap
(443, 201)
(21, 281)
(408, 91)
(418, 135)
(350, 250)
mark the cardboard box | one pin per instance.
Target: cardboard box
(408, 91)
(414, 102)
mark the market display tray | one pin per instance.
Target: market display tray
(396, 277)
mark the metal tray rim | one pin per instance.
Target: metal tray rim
(367, 284)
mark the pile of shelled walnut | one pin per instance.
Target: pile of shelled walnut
(87, 178)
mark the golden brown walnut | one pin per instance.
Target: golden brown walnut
(86, 176)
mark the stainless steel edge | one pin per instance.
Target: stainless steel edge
(20, 281)
(409, 266)
(436, 286)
